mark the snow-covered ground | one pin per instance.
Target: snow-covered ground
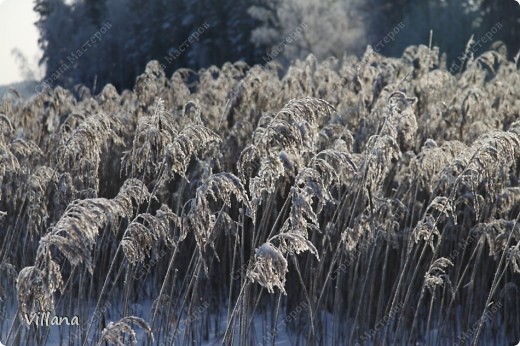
(210, 329)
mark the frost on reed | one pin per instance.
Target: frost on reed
(115, 331)
(312, 191)
(79, 150)
(76, 232)
(74, 236)
(152, 135)
(309, 195)
(427, 227)
(201, 218)
(269, 268)
(193, 140)
(287, 137)
(146, 232)
(9, 163)
(36, 288)
(436, 275)
(355, 185)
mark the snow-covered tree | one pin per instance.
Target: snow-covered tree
(295, 28)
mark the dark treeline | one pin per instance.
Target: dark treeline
(123, 35)
(95, 42)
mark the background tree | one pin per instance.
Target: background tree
(330, 27)
(250, 30)
(452, 22)
(56, 31)
(139, 32)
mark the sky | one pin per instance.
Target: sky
(17, 30)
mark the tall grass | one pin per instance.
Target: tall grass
(370, 201)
